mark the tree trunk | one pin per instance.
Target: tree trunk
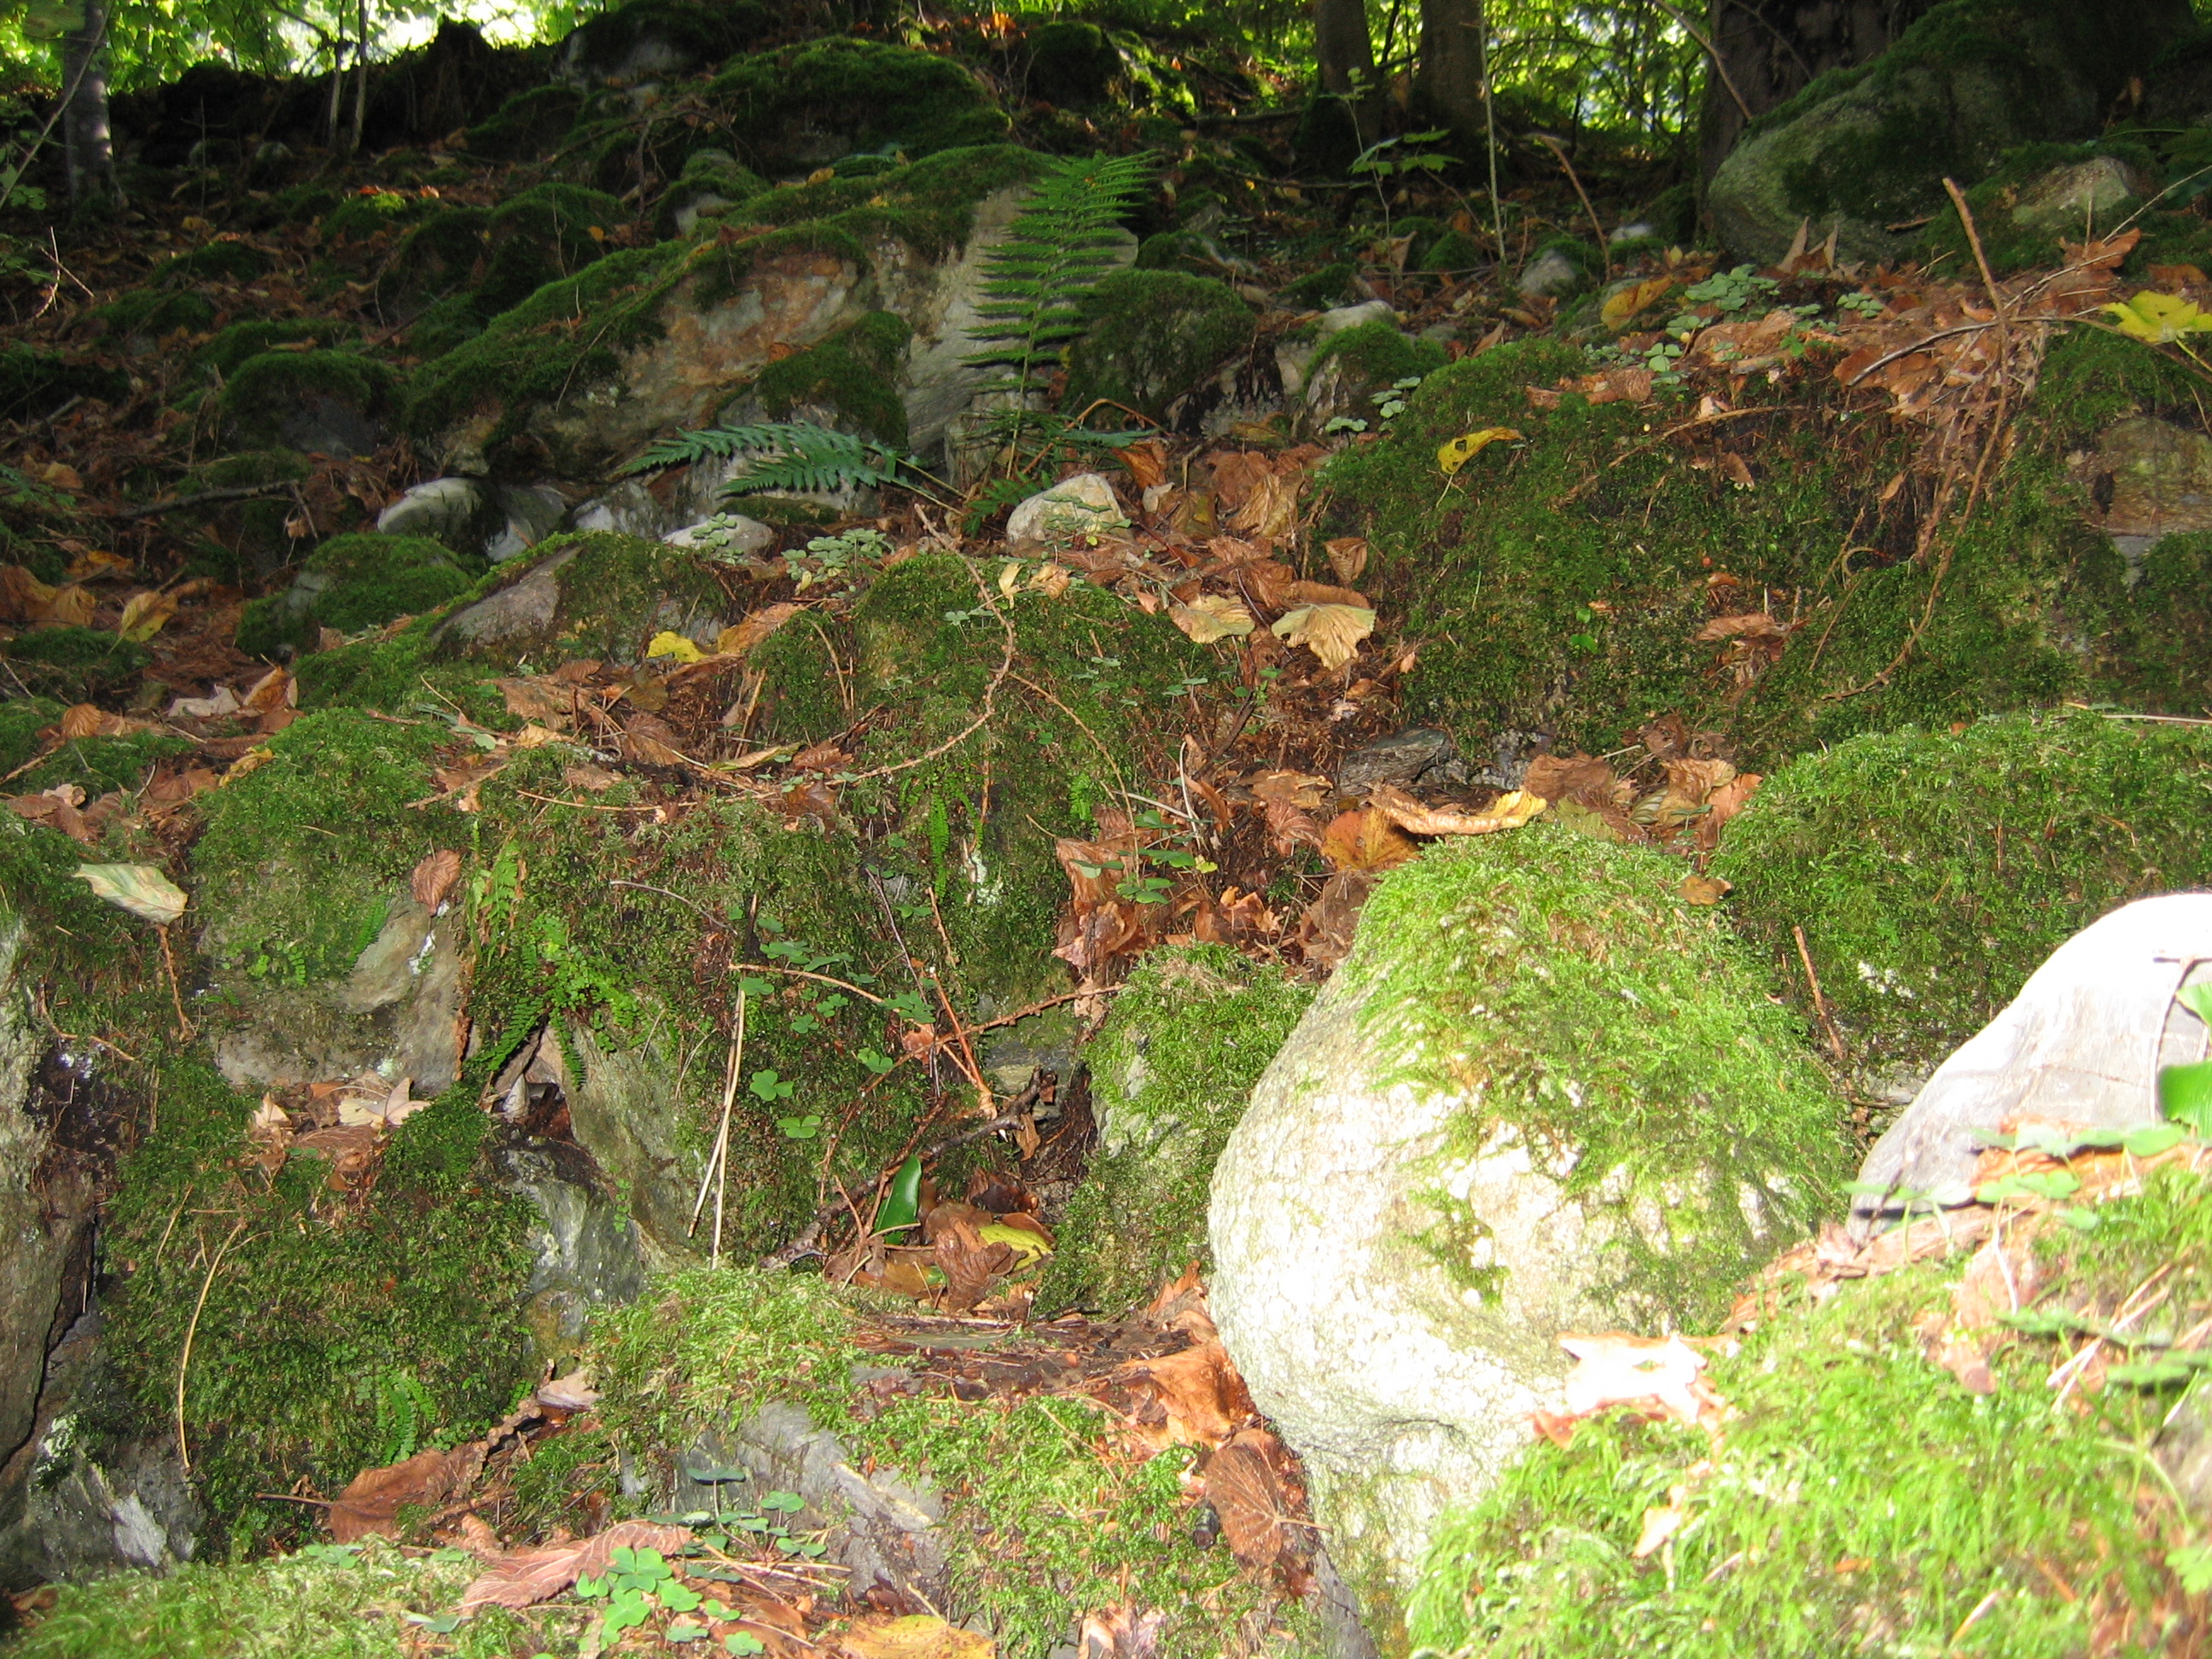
(1447, 86)
(360, 82)
(1768, 50)
(88, 145)
(1345, 55)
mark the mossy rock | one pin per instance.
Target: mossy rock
(1453, 253)
(33, 384)
(224, 261)
(74, 664)
(369, 214)
(586, 593)
(1860, 149)
(1933, 871)
(1355, 366)
(1170, 1073)
(1153, 338)
(145, 315)
(651, 40)
(711, 181)
(526, 124)
(433, 260)
(805, 105)
(1543, 1095)
(850, 378)
(1177, 250)
(2039, 194)
(223, 356)
(542, 235)
(1071, 63)
(337, 402)
(356, 581)
(1332, 285)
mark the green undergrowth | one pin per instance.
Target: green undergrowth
(72, 664)
(1933, 871)
(1558, 581)
(356, 581)
(1563, 989)
(338, 1331)
(1861, 1499)
(331, 1602)
(96, 765)
(1044, 1520)
(1150, 337)
(1172, 1072)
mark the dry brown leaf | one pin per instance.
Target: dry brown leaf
(70, 607)
(1121, 1633)
(1364, 839)
(1240, 1484)
(1725, 801)
(1507, 811)
(970, 1267)
(1752, 624)
(374, 1498)
(528, 1577)
(1199, 1390)
(274, 691)
(1304, 789)
(145, 615)
(914, 1636)
(83, 719)
(1347, 557)
(737, 640)
(1211, 616)
(1331, 632)
(1661, 1522)
(585, 775)
(433, 878)
(1146, 463)
(1704, 889)
(1305, 593)
(540, 697)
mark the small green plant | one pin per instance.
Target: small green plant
(1727, 291)
(640, 1582)
(1391, 404)
(2184, 1092)
(1862, 304)
(828, 557)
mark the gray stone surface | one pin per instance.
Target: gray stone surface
(1549, 274)
(458, 511)
(522, 608)
(2079, 201)
(2082, 1043)
(1419, 754)
(1084, 505)
(2146, 479)
(587, 1252)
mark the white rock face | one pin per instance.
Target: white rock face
(448, 510)
(1550, 272)
(1084, 505)
(2081, 1043)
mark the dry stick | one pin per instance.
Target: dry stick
(1597, 226)
(719, 1159)
(1819, 1002)
(246, 493)
(192, 1330)
(168, 962)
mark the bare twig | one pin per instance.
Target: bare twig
(192, 1330)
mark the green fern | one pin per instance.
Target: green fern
(790, 456)
(1058, 247)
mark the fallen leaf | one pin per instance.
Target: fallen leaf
(433, 878)
(220, 701)
(1199, 1390)
(70, 607)
(1331, 632)
(2158, 318)
(668, 643)
(914, 1636)
(1240, 1483)
(1464, 448)
(736, 641)
(145, 615)
(1616, 1368)
(81, 720)
(1271, 508)
(93, 565)
(1738, 469)
(1507, 811)
(528, 1577)
(141, 889)
(1661, 1522)
(61, 476)
(1722, 804)
(1752, 624)
(1348, 556)
(1121, 1633)
(274, 691)
(540, 697)
(1622, 308)
(971, 1266)
(1030, 1243)
(377, 1105)
(1704, 889)
(584, 775)
(1365, 839)
(1302, 789)
(373, 1499)
(1211, 616)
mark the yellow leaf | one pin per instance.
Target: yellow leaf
(1020, 1240)
(1010, 576)
(2160, 318)
(1621, 309)
(1704, 889)
(145, 615)
(668, 643)
(71, 606)
(1331, 632)
(1210, 617)
(1461, 449)
(915, 1636)
(141, 889)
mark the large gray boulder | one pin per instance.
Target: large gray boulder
(1864, 152)
(1542, 1095)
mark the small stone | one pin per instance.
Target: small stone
(726, 536)
(1084, 505)
(445, 509)
(1549, 274)
(533, 512)
(1402, 759)
(1341, 318)
(1640, 230)
(2070, 200)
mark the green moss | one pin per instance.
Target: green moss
(1170, 1075)
(74, 664)
(1072, 63)
(1043, 1521)
(1152, 338)
(356, 581)
(1376, 355)
(329, 1602)
(433, 259)
(1454, 253)
(871, 94)
(217, 262)
(230, 349)
(21, 719)
(1933, 871)
(1331, 285)
(33, 384)
(526, 124)
(371, 213)
(850, 372)
(152, 313)
(1856, 1488)
(274, 391)
(1562, 989)
(97, 765)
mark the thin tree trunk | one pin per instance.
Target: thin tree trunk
(1768, 50)
(359, 81)
(88, 144)
(1447, 86)
(1344, 54)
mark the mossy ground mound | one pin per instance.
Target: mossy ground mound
(814, 103)
(1933, 871)
(309, 400)
(1152, 338)
(356, 581)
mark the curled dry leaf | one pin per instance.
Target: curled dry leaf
(1507, 811)
(141, 889)
(433, 878)
(736, 641)
(1364, 839)
(1347, 557)
(1751, 624)
(81, 720)
(1331, 632)
(1615, 1369)
(274, 691)
(373, 1499)
(1240, 1483)
(1211, 616)
(528, 1577)
(1704, 889)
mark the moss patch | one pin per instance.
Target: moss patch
(1933, 871)
(1561, 985)
(356, 581)
(148, 313)
(1171, 1072)
(290, 397)
(1150, 337)
(850, 373)
(217, 262)
(73, 664)
(229, 350)
(33, 384)
(812, 103)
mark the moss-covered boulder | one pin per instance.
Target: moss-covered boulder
(435, 259)
(1931, 873)
(652, 39)
(1170, 1073)
(356, 581)
(849, 381)
(1154, 339)
(711, 181)
(526, 124)
(1071, 63)
(2041, 194)
(1862, 149)
(337, 402)
(228, 351)
(588, 594)
(33, 384)
(139, 318)
(74, 664)
(805, 105)
(227, 260)
(1352, 368)
(1542, 1095)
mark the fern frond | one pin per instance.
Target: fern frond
(795, 457)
